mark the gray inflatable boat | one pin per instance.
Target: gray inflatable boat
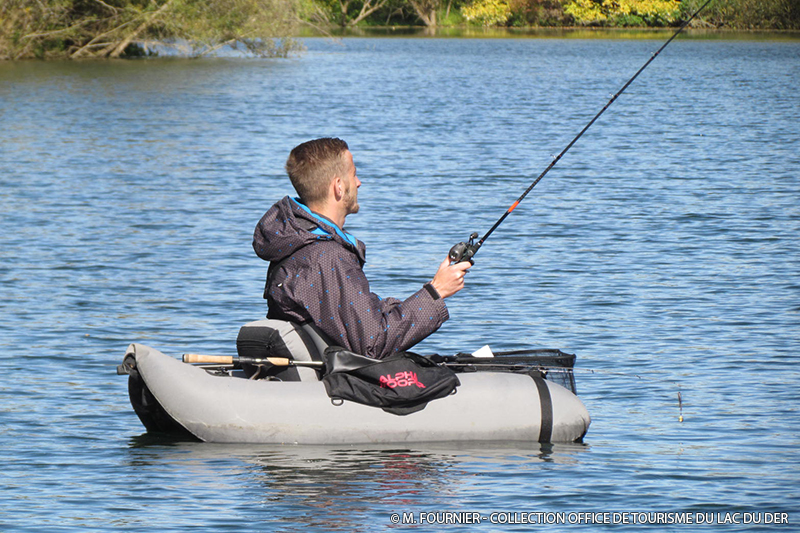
(224, 406)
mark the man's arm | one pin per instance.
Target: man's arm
(370, 325)
(335, 294)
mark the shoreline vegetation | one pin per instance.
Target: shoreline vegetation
(84, 29)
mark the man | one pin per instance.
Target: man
(316, 268)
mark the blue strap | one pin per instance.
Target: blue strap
(320, 231)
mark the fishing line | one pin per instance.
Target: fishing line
(466, 251)
(637, 376)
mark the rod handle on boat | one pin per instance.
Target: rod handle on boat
(230, 360)
(215, 359)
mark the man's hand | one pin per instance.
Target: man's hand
(449, 279)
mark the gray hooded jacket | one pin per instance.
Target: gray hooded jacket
(316, 275)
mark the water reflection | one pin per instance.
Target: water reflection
(340, 488)
(552, 33)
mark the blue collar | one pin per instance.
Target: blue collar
(320, 231)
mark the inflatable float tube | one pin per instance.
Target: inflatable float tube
(171, 396)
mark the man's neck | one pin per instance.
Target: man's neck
(329, 212)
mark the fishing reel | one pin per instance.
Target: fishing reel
(464, 251)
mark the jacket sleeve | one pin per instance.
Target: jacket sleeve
(378, 327)
(335, 294)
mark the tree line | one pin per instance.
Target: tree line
(128, 28)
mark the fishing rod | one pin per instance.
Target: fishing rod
(465, 251)
(239, 360)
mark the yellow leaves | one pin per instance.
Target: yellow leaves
(649, 7)
(487, 12)
(623, 12)
(585, 11)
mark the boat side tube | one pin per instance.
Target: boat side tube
(488, 406)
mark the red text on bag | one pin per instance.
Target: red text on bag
(400, 379)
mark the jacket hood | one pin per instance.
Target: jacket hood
(290, 225)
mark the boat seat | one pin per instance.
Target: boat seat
(279, 338)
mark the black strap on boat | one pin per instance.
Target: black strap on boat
(546, 428)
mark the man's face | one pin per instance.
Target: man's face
(351, 184)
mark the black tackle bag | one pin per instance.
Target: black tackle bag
(401, 383)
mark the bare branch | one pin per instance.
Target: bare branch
(426, 10)
(320, 29)
(92, 43)
(112, 8)
(143, 26)
(367, 10)
(56, 32)
(216, 47)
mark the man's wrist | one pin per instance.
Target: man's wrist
(432, 290)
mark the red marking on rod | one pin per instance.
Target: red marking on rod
(513, 206)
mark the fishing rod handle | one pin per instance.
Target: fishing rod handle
(210, 359)
(231, 360)
(461, 252)
(464, 251)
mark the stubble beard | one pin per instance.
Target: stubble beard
(352, 200)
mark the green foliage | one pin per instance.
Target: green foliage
(537, 13)
(746, 14)
(120, 28)
(624, 12)
(205, 25)
(487, 12)
(453, 18)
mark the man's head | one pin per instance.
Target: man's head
(322, 171)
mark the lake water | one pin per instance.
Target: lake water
(663, 250)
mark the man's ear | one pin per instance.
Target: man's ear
(338, 188)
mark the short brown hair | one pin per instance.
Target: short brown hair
(312, 165)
